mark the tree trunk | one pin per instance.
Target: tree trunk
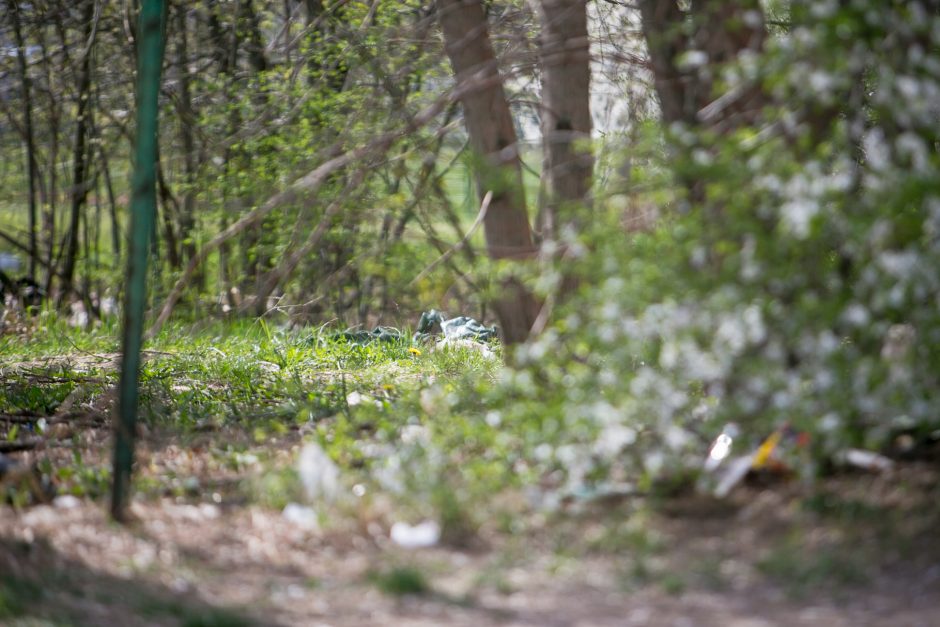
(14, 11)
(493, 140)
(187, 137)
(565, 58)
(225, 51)
(52, 191)
(112, 205)
(724, 30)
(254, 42)
(664, 29)
(80, 181)
(721, 31)
(717, 32)
(169, 209)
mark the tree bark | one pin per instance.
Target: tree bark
(187, 137)
(664, 29)
(719, 30)
(724, 30)
(31, 167)
(493, 139)
(53, 123)
(80, 181)
(565, 59)
(168, 208)
(225, 51)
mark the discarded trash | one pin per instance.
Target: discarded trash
(66, 501)
(464, 327)
(420, 536)
(318, 473)
(734, 474)
(301, 515)
(461, 327)
(721, 447)
(776, 454)
(866, 460)
(431, 323)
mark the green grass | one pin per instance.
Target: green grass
(190, 615)
(400, 581)
(801, 570)
(235, 389)
(17, 595)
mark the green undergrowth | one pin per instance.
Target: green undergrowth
(415, 433)
(245, 394)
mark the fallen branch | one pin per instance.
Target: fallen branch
(459, 245)
(42, 377)
(92, 415)
(21, 445)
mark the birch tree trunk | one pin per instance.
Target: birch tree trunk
(493, 140)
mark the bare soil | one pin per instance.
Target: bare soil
(866, 556)
(856, 550)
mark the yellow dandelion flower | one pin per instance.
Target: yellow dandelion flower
(414, 351)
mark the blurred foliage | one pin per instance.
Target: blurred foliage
(780, 273)
(800, 288)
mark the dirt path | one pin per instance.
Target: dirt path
(204, 564)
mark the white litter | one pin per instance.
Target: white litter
(318, 473)
(866, 460)
(66, 501)
(734, 474)
(301, 515)
(424, 534)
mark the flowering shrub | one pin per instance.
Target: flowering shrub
(802, 288)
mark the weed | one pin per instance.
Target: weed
(190, 615)
(17, 595)
(801, 570)
(400, 581)
(840, 509)
(214, 618)
(672, 584)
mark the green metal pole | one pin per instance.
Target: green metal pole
(143, 216)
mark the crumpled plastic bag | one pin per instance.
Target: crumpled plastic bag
(432, 323)
(462, 327)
